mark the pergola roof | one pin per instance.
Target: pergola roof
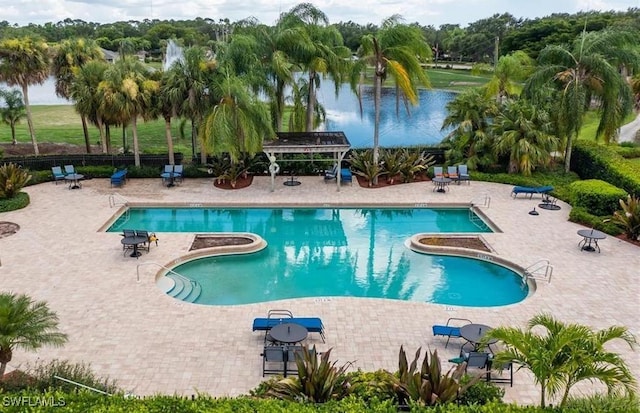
(301, 142)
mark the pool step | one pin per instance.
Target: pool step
(183, 289)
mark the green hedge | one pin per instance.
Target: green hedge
(57, 402)
(593, 161)
(17, 202)
(580, 215)
(596, 196)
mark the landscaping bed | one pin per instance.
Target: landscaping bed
(472, 243)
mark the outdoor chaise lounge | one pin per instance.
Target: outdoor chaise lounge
(330, 175)
(119, 178)
(530, 190)
(275, 317)
(449, 330)
(346, 176)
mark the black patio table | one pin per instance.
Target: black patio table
(589, 237)
(135, 241)
(73, 180)
(474, 333)
(288, 333)
(441, 183)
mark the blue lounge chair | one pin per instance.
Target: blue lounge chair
(275, 317)
(463, 174)
(69, 169)
(346, 176)
(58, 175)
(178, 172)
(448, 329)
(119, 177)
(530, 190)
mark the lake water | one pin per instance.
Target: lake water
(421, 126)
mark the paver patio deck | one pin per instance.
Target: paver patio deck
(150, 343)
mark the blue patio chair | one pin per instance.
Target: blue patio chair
(178, 172)
(449, 330)
(69, 169)
(346, 176)
(58, 175)
(452, 173)
(438, 172)
(463, 174)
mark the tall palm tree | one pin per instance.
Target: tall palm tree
(319, 51)
(70, 55)
(509, 73)
(127, 92)
(25, 324)
(470, 139)
(238, 123)
(523, 131)
(85, 92)
(586, 73)
(565, 355)
(23, 62)
(12, 111)
(396, 51)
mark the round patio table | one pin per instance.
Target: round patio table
(135, 241)
(73, 180)
(474, 333)
(441, 183)
(288, 333)
(590, 238)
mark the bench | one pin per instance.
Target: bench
(312, 324)
(119, 178)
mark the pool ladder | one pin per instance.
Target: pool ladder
(483, 201)
(116, 199)
(539, 270)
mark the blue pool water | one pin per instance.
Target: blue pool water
(334, 252)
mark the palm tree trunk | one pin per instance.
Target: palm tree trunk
(279, 104)
(107, 136)
(311, 101)
(567, 153)
(85, 130)
(376, 122)
(167, 134)
(134, 131)
(27, 107)
(103, 141)
(14, 141)
(3, 368)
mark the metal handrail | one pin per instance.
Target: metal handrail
(533, 270)
(113, 201)
(485, 198)
(84, 386)
(182, 277)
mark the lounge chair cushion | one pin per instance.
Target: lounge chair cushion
(530, 190)
(312, 324)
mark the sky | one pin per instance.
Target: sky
(425, 12)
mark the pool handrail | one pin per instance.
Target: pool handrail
(178, 275)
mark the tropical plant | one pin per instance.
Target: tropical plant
(85, 92)
(414, 162)
(12, 180)
(70, 55)
(396, 51)
(564, 355)
(469, 116)
(629, 217)
(509, 73)
(25, 324)
(239, 123)
(583, 74)
(427, 385)
(392, 160)
(522, 131)
(12, 111)
(317, 382)
(364, 166)
(24, 62)
(319, 51)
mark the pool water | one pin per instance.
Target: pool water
(334, 252)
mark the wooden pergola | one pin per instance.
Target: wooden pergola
(306, 142)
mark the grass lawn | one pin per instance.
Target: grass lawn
(456, 79)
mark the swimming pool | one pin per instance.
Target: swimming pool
(329, 252)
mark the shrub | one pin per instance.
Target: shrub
(596, 196)
(12, 180)
(481, 392)
(362, 163)
(17, 202)
(580, 215)
(369, 385)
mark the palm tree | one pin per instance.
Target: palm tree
(508, 76)
(69, 56)
(27, 325)
(523, 132)
(85, 92)
(12, 111)
(470, 140)
(396, 51)
(23, 62)
(583, 74)
(565, 355)
(320, 50)
(126, 92)
(238, 124)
